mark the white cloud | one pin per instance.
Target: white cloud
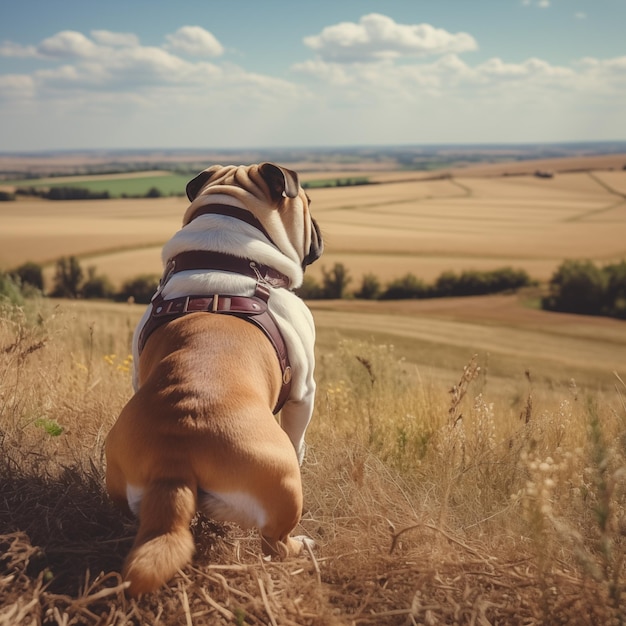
(67, 44)
(12, 49)
(530, 68)
(449, 72)
(108, 38)
(580, 15)
(371, 80)
(16, 86)
(114, 65)
(377, 37)
(194, 41)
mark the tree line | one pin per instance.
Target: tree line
(577, 286)
(71, 281)
(73, 193)
(335, 283)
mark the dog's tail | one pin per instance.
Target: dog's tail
(164, 542)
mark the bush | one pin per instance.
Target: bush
(409, 286)
(28, 273)
(335, 282)
(6, 196)
(67, 278)
(310, 289)
(96, 286)
(577, 287)
(508, 279)
(139, 289)
(153, 192)
(370, 288)
(474, 283)
(615, 296)
(445, 286)
(10, 291)
(30, 191)
(74, 193)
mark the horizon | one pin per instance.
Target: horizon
(355, 73)
(595, 146)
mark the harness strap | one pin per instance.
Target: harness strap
(220, 261)
(230, 211)
(253, 309)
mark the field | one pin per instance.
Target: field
(403, 224)
(466, 461)
(439, 487)
(135, 184)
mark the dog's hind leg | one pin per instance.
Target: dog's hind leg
(164, 542)
(284, 509)
(116, 486)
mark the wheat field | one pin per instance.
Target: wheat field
(401, 225)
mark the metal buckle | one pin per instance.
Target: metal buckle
(167, 274)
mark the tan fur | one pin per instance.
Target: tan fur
(202, 419)
(199, 433)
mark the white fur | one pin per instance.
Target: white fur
(233, 506)
(134, 496)
(228, 235)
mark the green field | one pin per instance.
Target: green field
(118, 187)
(168, 183)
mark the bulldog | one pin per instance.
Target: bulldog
(224, 346)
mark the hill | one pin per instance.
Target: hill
(433, 497)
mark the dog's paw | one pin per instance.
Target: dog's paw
(301, 453)
(306, 542)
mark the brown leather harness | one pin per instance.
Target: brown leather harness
(253, 309)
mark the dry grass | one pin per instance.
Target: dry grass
(438, 334)
(430, 503)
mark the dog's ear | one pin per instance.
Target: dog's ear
(281, 181)
(317, 245)
(194, 185)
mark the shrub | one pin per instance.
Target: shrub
(310, 289)
(74, 193)
(6, 196)
(10, 291)
(577, 287)
(153, 192)
(409, 286)
(446, 285)
(96, 286)
(615, 296)
(335, 281)
(28, 273)
(370, 288)
(140, 289)
(507, 278)
(67, 278)
(474, 283)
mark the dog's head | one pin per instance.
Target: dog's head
(273, 197)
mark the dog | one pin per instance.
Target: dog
(223, 347)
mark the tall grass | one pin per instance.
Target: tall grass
(428, 503)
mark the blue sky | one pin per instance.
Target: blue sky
(78, 74)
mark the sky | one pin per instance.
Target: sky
(231, 74)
